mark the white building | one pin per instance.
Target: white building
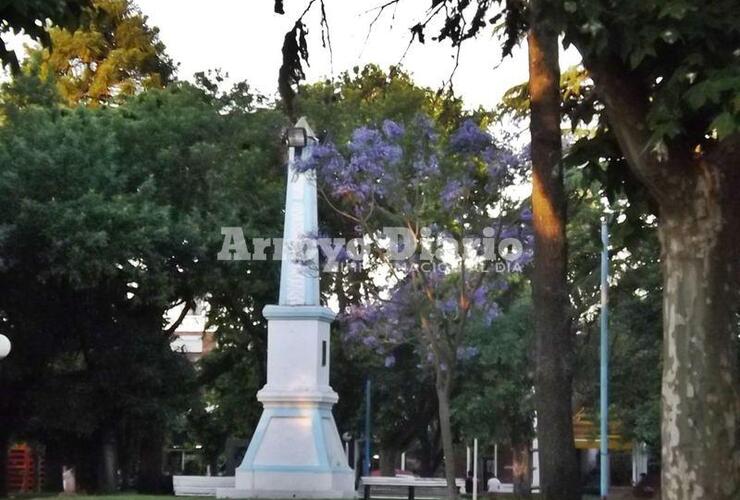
(192, 337)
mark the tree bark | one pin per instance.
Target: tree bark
(108, 481)
(522, 469)
(151, 479)
(701, 407)
(4, 445)
(554, 350)
(443, 395)
(388, 459)
(430, 450)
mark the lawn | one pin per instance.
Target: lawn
(122, 496)
(133, 496)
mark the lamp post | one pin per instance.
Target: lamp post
(4, 346)
(604, 355)
(366, 466)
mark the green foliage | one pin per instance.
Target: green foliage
(682, 53)
(112, 55)
(495, 401)
(635, 322)
(679, 59)
(113, 216)
(369, 95)
(29, 17)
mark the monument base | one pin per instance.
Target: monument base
(293, 485)
(296, 451)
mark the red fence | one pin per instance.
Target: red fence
(23, 469)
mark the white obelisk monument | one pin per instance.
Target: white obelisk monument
(296, 451)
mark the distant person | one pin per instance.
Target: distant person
(494, 485)
(643, 489)
(469, 482)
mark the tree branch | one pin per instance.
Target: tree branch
(188, 304)
(626, 108)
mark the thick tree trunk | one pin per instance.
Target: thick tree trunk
(521, 466)
(430, 451)
(84, 457)
(700, 442)
(699, 227)
(4, 445)
(53, 468)
(388, 459)
(443, 395)
(553, 379)
(108, 478)
(151, 479)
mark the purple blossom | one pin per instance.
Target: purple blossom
(466, 353)
(425, 167)
(455, 190)
(392, 130)
(354, 329)
(479, 296)
(425, 126)
(367, 143)
(371, 158)
(491, 313)
(370, 341)
(509, 232)
(469, 138)
(397, 170)
(451, 193)
(324, 156)
(502, 158)
(447, 306)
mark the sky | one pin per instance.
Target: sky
(244, 38)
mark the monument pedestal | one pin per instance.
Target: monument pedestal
(296, 451)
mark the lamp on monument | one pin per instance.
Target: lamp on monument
(296, 137)
(4, 346)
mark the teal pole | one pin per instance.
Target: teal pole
(604, 355)
(368, 438)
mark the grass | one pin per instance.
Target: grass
(120, 496)
(133, 496)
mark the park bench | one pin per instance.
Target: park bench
(409, 482)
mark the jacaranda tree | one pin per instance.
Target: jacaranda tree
(409, 188)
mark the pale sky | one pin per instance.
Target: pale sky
(244, 37)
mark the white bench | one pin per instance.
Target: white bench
(201, 486)
(409, 482)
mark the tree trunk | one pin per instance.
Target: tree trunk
(388, 459)
(151, 479)
(522, 476)
(554, 350)
(4, 445)
(53, 468)
(699, 224)
(701, 408)
(430, 457)
(443, 395)
(108, 479)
